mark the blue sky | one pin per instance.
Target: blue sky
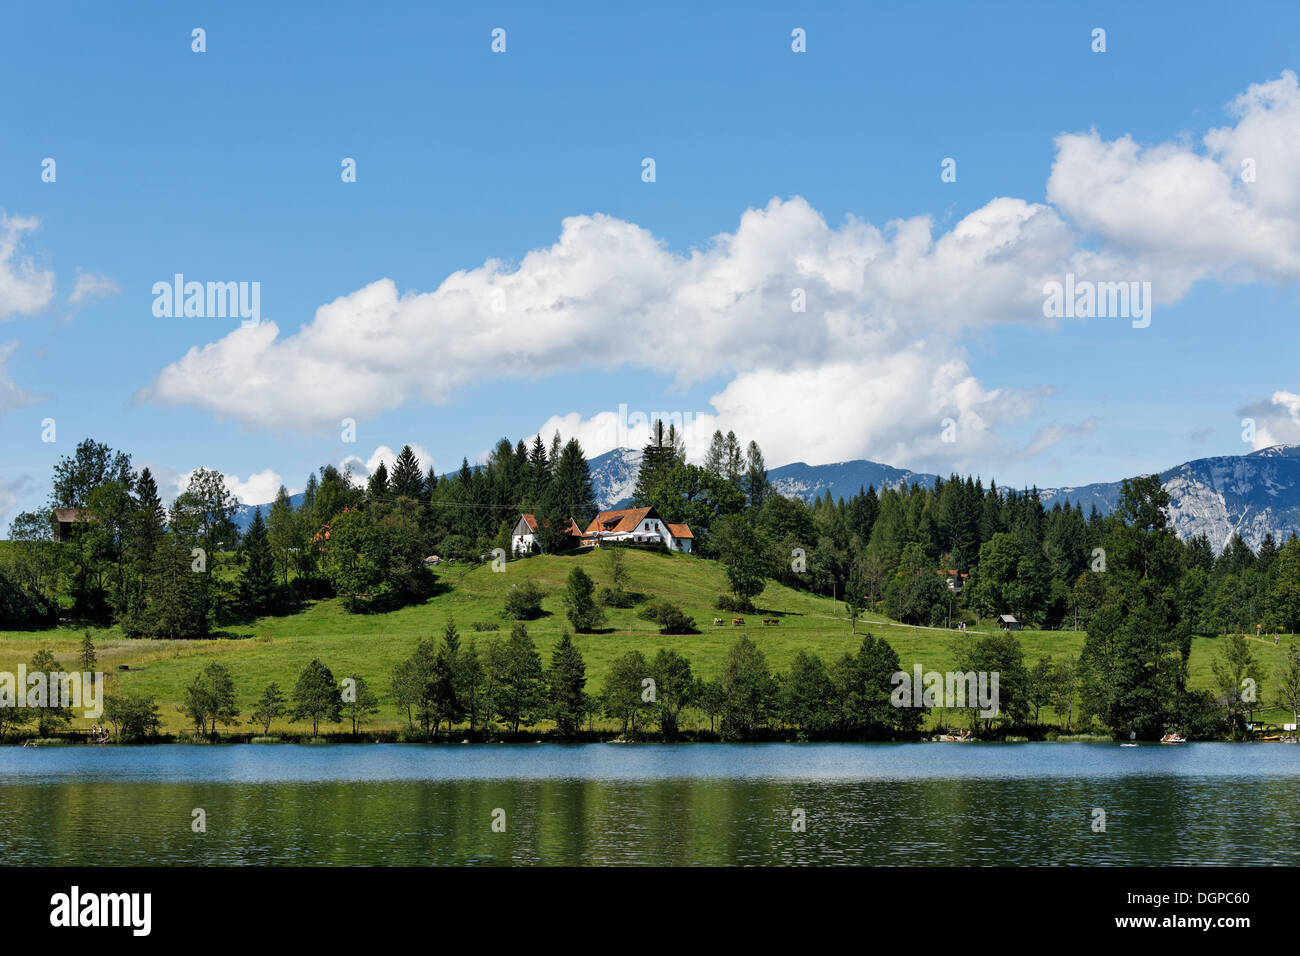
(225, 166)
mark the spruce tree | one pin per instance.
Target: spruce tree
(257, 583)
(566, 680)
(407, 480)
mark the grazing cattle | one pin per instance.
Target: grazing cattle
(718, 620)
(737, 620)
(770, 620)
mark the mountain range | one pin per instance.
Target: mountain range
(1253, 495)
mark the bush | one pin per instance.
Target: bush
(616, 597)
(22, 608)
(670, 618)
(524, 602)
(726, 602)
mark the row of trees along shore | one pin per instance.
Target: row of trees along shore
(1126, 579)
(503, 688)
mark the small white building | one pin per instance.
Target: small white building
(523, 539)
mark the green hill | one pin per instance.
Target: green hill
(276, 648)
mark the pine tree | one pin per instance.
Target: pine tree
(573, 483)
(733, 464)
(713, 461)
(756, 477)
(567, 679)
(407, 480)
(657, 462)
(377, 486)
(257, 590)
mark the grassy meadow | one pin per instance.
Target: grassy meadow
(275, 648)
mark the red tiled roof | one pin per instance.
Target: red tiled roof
(623, 520)
(680, 531)
(531, 521)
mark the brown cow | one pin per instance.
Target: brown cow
(737, 620)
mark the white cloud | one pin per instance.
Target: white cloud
(1184, 214)
(1277, 420)
(24, 288)
(89, 287)
(259, 488)
(873, 365)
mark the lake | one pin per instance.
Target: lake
(711, 804)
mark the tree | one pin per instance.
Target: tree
(407, 479)
(257, 590)
(133, 716)
(748, 690)
(1236, 675)
(87, 658)
(359, 705)
(209, 699)
(444, 696)
(675, 689)
(283, 530)
(272, 705)
(658, 459)
(519, 695)
(573, 484)
(377, 484)
(1287, 675)
(210, 506)
(566, 680)
(49, 715)
(316, 696)
(743, 555)
(756, 486)
(524, 601)
(623, 696)
(805, 696)
(580, 602)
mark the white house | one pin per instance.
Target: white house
(640, 525)
(523, 539)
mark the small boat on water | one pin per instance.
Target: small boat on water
(1128, 745)
(1173, 739)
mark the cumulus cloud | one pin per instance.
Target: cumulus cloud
(1230, 210)
(258, 489)
(608, 292)
(1276, 420)
(872, 365)
(24, 288)
(90, 287)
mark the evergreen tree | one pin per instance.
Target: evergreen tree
(377, 485)
(567, 679)
(407, 480)
(657, 461)
(257, 590)
(756, 486)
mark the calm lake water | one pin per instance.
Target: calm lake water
(865, 804)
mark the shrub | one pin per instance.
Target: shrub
(726, 602)
(616, 597)
(524, 602)
(670, 618)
